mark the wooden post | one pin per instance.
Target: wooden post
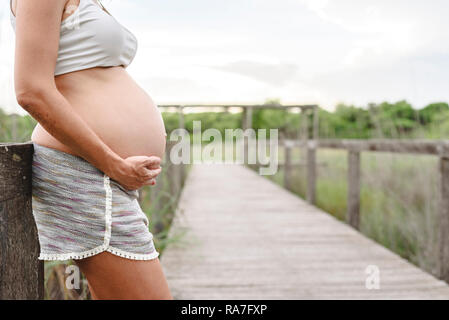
(287, 166)
(311, 172)
(443, 232)
(21, 273)
(247, 123)
(353, 205)
(181, 126)
(316, 123)
(247, 118)
(303, 135)
(181, 117)
(304, 126)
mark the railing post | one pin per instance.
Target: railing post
(21, 273)
(181, 117)
(247, 118)
(304, 125)
(443, 221)
(311, 172)
(287, 165)
(316, 123)
(353, 205)
(181, 126)
(247, 123)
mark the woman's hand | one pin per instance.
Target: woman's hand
(137, 171)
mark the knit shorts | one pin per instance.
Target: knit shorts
(80, 211)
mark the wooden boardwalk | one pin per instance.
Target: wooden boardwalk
(247, 238)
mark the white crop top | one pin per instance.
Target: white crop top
(90, 37)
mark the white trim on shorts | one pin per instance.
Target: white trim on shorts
(107, 238)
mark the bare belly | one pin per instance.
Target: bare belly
(119, 111)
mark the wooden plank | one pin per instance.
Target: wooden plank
(245, 237)
(21, 274)
(353, 211)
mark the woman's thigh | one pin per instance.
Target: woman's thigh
(114, 278)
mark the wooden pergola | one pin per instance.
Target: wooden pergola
(248, 115)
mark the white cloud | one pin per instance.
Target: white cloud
(278, 74)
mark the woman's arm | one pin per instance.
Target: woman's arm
(37, 40)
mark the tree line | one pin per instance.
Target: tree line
(385, 120)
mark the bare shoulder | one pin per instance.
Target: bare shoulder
(67, 5)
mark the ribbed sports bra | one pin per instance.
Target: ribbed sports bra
(90, 37)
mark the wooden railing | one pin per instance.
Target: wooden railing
(21, 273)
(354, 148)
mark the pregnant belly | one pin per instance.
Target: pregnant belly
(121, 113)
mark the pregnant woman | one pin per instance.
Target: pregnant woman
(99, 139)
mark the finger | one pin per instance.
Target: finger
(154, 166)
(149, 174)
(150, 182)
(146, 171)
(152, 162)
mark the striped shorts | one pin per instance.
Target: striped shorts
(80, 211)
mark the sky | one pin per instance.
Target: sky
(298, 51)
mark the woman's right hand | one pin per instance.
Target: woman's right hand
(137, 171)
